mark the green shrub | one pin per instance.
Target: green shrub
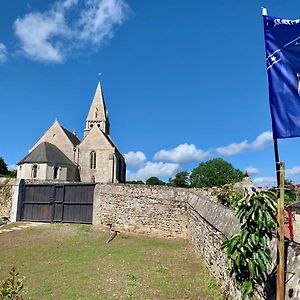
(229, 196)
(11, 288)
(248, 252)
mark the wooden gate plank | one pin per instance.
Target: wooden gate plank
(72, 202)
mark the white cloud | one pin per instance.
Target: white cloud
(233, 148)
(258, 144)
(98, 19)
(135, 159)
(51, 35)
(154, 169)
(252, 170)
(36, 32)
(265, 181)
(293, 171)
(262, 140)
(3, 53)
(183, 153)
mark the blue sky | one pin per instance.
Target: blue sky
(184, 81)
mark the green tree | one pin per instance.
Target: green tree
(181, 179)
(154, 181)
(13, 173)
(3, 167)
(135, 182)
(215, 172)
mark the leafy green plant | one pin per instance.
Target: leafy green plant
(11, 288)
(248, 252)
(229, 196)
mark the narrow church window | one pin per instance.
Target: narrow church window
(96, 113)
(34, 171)
(93, 160)
(56, 173)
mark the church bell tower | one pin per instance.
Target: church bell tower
(98, 115)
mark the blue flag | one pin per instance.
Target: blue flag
(282, 39)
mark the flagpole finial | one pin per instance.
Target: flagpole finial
(264, 11)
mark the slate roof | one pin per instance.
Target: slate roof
(72, 137)
(46, 153)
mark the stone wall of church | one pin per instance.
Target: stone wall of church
(56, 136)
(25, 171)
(46, 172)
(119, 168)
(103, 169)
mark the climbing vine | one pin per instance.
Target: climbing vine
(248, 252)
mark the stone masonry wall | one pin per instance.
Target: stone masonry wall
(209, 225)
(6, 196)
(188, 213)
(143, 209)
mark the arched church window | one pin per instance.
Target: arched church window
(56, 172)
(96, 113)
(93, 160)
(34, 171)
(98, 125)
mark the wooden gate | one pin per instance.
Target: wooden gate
(70, 203)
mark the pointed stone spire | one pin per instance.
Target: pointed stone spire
(97, 115)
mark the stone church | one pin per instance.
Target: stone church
(60, 155)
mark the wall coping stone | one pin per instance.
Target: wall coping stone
(219, 216)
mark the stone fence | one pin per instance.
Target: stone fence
(193, 214)
(158, 211)
(6, 192)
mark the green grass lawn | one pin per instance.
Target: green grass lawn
(61, 261)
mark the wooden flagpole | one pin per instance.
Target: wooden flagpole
(277, 161)
(280, 278)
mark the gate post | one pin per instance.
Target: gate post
(18, 194)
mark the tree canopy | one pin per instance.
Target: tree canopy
(181, 179)
(4, 170)
(135, 182)
(215, 172)
(154, 181)
(3, 167)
